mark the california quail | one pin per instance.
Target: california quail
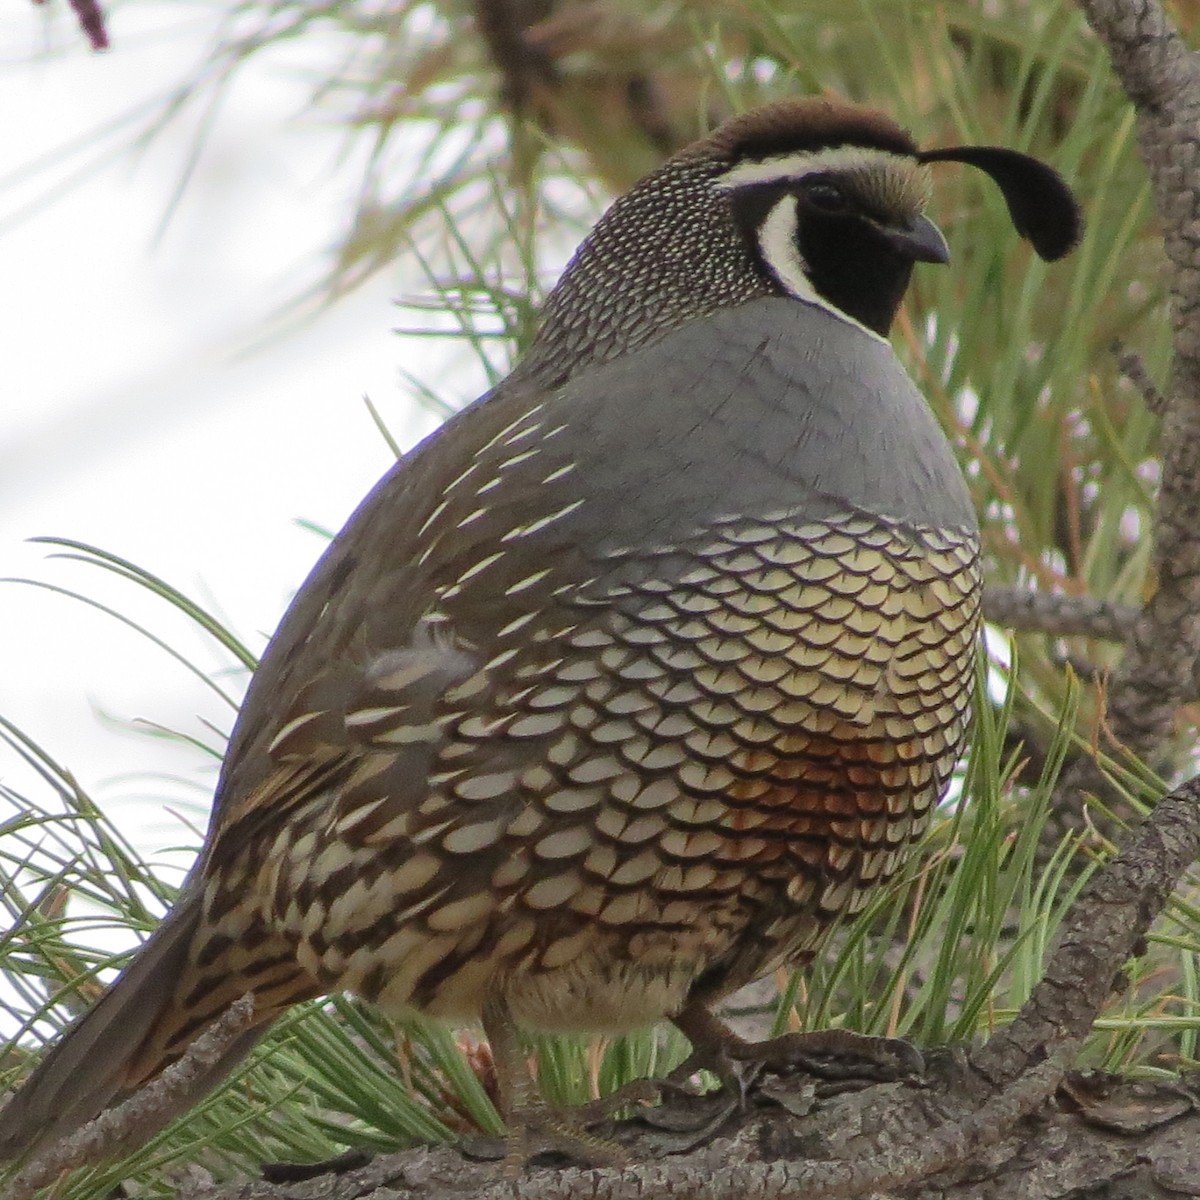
(623, 685)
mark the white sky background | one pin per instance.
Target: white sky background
(129, 420)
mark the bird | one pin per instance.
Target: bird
(626, 684)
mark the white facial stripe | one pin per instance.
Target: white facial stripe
(780, 250)
(787, 167)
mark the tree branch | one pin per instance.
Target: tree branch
(1064, 616)
(523, 67)
(127, 1123)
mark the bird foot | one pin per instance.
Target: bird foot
(836, 1054)
(638, 1092)
(830, 1054)
(540, 1129)
(535, 1127)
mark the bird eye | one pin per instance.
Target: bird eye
(828, 197)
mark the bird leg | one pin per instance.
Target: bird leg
(533, 1125)
(826, 1053)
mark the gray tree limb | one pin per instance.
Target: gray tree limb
(127, 1123)
(1061, 1154)
(1063, 616)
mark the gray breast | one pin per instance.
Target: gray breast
(773, 405)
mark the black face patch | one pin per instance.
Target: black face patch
(838, 251)
(854, 267)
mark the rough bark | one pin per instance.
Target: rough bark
(1062, 616)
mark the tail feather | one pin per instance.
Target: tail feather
(102, 1057)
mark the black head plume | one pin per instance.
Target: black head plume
(1042, 207)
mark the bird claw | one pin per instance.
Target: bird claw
(829, 1054)
(284, 1172)
(683, 1125)
(638, 1092)
(544, 1132)
(836, 1054)
(539, 1129)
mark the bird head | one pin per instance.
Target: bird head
(813, 199)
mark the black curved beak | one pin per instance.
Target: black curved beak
(922, 241)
